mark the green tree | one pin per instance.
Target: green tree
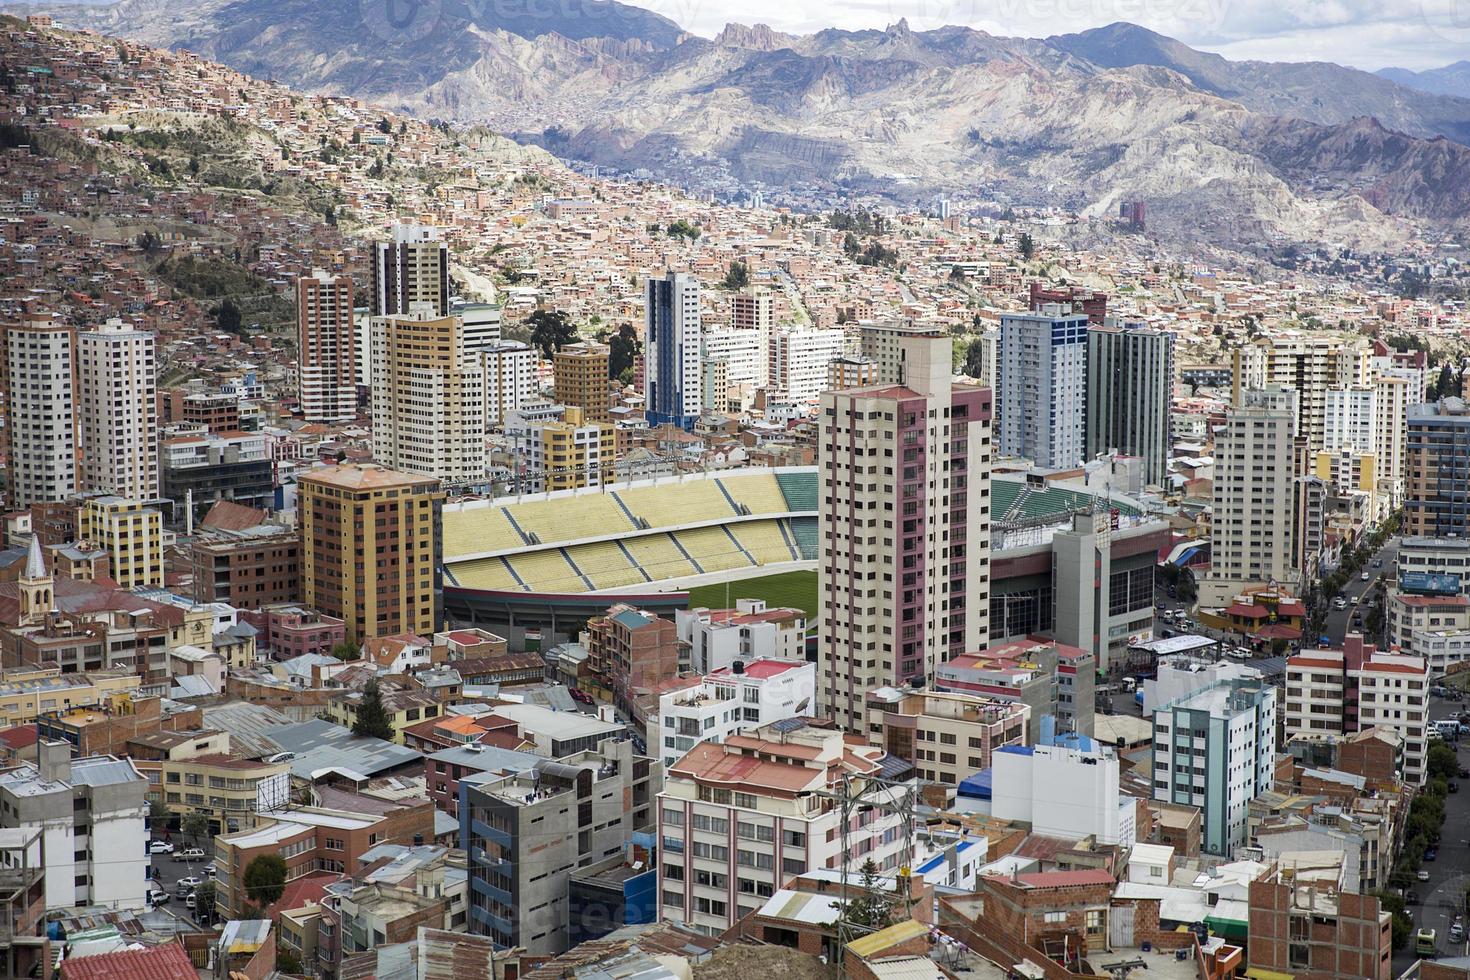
(685, 230)
(372, 717)
(1026, 246)
(194, 826)
(551, 330)
(622, 351)
(871, 908)
(1403, 925)
(1441, 762)
(287, 961)
(265, 879)
(204, 901)
(345, 651)
(737, 276)
(975, 360)
(227, 316)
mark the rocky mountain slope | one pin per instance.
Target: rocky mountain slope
(1317, 91)
(1449, 80)
(1234, 151)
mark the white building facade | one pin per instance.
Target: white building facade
(729, 701)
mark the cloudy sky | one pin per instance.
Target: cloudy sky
(1367, 34)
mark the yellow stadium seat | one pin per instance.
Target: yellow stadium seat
(758, 491)
(657, 555)
(764, 541)
(570, 518)
(604, 563)
(667, 504)
(486, 573)
(712, 548)
(547, 571)
(472, 529)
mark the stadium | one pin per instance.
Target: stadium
(549, 562)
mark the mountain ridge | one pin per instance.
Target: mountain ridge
(1238, 149)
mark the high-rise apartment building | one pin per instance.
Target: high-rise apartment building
(117, 411)
(326, 372)
(1252, 529)
(882, 343)
(1392, 396)
(1311, 364)
(580, 372)
(801, 359)
(412, 268)
(370, 549)
(510, 379)
(1436, 475)
(745, 353)
(38, 374)
(482, 323)
(904, 523)
(753, 308)
(428, 401)
(1341, 692)
(1130, 391)
(1041, 390)
(671, 351)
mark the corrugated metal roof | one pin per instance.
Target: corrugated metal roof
(899, 932)
(320, 745)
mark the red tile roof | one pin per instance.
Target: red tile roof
(1247, 611)
(166, 962)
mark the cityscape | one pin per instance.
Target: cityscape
(436, 546)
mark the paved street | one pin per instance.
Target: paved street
(1355, 590)
(1443, 894)
(166, 873)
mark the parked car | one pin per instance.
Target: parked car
(189, 901)
(190, 854)
(1378, 563)
(1422, 875)
(580, 696)
(1366, 577)
(1454, 786)
(1339, 603)
(208, 871)
(1463, 773)
(1411, 897)
(160, 847)
(188, 884)
(1457, 932)
(1431, 853)
(158, 897)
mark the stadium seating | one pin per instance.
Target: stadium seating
(605, 565)
(764, 541)
(547, 571)
(759, 492)
(657, 555)
(472, 530)
(570, 519)
(804, 532)
(712, 548)
(800, 490)
(486, 573)
(689, 502)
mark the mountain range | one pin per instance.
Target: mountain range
(1449, 80)
(1235, 151)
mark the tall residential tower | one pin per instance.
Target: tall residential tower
(671, 371)
(904, 522)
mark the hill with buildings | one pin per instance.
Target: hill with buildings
(1239, 151)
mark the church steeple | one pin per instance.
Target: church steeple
(36, 586)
